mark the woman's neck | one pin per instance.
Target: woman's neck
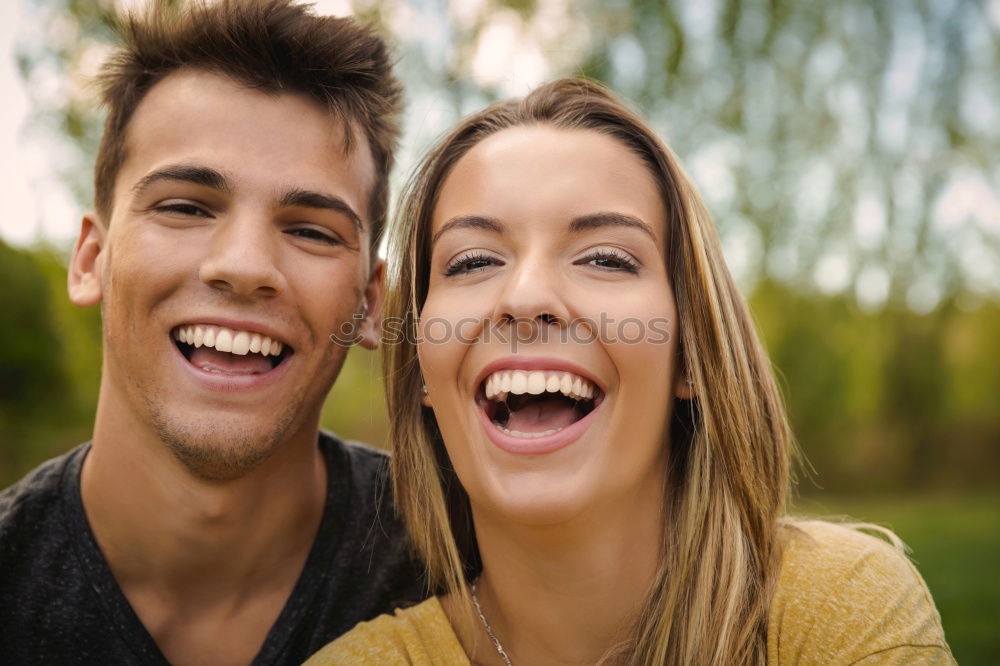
(568, 593)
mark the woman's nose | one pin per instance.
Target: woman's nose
(531, 297)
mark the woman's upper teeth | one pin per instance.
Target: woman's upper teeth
(227, 340)
(501, 383)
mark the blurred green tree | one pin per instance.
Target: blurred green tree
(33, 376)
(847, 151)
(845, 146)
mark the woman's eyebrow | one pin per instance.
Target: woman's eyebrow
(595, 220)
(469, 222)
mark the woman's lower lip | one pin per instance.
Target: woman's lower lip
(536, 445)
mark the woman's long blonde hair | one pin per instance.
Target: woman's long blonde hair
(730, 446)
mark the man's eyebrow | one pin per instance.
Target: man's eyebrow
(468, 222)
(595, 220)
(196, 175)
(308, 199)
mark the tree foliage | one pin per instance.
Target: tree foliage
(847, 151)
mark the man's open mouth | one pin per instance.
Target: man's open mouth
(536, 403)
(221, 350)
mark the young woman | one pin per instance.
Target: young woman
(590, 451)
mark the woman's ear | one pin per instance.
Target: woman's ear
(425, 398)
(86, 266)
(683, 381)
(369, 332)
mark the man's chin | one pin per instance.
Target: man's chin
(224, 450)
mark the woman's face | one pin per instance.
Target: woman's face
(548, 336)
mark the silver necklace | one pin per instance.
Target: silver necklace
(489, 629)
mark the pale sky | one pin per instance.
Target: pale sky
(29, 214)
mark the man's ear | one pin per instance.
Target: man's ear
(87, 263)
(370, 329)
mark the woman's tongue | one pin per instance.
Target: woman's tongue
(542, 414)
(213, 360)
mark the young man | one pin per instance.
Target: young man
(240, 188)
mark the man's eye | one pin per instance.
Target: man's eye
(314, 235)
(181, 209)
(470, 264)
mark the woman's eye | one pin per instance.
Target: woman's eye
(181, 209)
(470, 264)
(315, 235)
(611, 260)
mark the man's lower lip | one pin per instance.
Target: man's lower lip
(224, 382)
(536, 445)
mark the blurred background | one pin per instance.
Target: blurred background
(848, 152)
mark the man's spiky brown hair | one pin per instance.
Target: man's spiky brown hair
(274, 46)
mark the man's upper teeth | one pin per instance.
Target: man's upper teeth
(228, 340)
(503, 382)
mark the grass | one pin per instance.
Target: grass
(955, 543)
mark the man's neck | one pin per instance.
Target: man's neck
(198, 557)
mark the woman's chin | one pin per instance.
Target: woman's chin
(528, 505)
(547, 493)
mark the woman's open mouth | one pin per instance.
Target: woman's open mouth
(226, 351)
(532, 404)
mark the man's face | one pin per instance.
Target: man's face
(238, 219)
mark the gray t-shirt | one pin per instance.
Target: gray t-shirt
(60, 603)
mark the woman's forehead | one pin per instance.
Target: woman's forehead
(540, 172)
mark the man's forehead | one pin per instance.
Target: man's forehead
(194, 84)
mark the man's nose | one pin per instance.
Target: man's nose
(242, 256)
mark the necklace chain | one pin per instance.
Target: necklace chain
(489, 629)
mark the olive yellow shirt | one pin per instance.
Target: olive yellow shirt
(843, 597)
